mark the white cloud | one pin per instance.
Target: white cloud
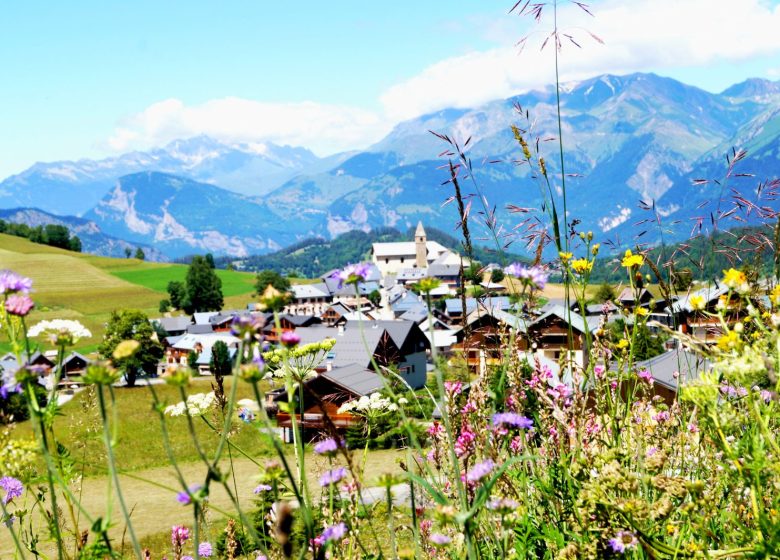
(640, 35)
(323, 128)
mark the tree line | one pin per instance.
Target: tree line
(50, 234)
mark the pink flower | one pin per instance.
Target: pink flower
(465, 441)
(599, 371)
(645, 376)
(290, 339)
(453, 387)
(468, 407)
(19, 304)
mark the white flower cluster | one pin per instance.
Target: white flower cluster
(373, 403)
(57, 326)
(198, 405)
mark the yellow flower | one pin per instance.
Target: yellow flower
(565, 256)
(631, 260)
(595, 249)
(125, 349)
(697, 302)
(581, 266)
(734, 278)
(775, 295)
(622, 344)
(641, 311)
(728, 341)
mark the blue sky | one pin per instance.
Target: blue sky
(92, 79)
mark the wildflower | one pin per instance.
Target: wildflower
(631, 260)
(247, 327)
(352, 274)
(246, 415)
(125, 349)
(290, 339)
(624, 540)
(13, 488)
(439, 540)
(599, 371)
(734, 279)
(60, 332)
(622, 344)
(327, 447)
(333, 477)
(195, 405)
(334, 533)
(480, 471)
(179, 534)
(595, 249)
(512, 420)
(185, 496)
(427, 285)
(101, 373)
(774, 296)
(561, 392)
(435, 429)
(697, 302)
(10, 282)
(728, 341)
(641, 311)
(465, 441)
(453, 387)
(534, 277)
(19, 305)
(565, 257)
(260, 488)
(503, 505)
(581, 266)
(645, 376)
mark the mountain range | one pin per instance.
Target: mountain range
(627, 139)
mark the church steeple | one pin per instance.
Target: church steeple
(421, 246)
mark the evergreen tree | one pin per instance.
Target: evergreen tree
(203, 287)
(131, 324)
(128, 252)
(139, 254)
(75, 244)
(177, 293)
(605, 293)
(266, 277)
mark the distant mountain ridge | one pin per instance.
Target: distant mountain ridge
(626, 138)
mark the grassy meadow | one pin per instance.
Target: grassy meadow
(87, 288)
(148, 480)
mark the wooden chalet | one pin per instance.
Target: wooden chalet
(323, 395)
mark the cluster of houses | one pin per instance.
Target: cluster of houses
(383, 323)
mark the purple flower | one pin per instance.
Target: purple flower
(187, 557)
(179, 534)
(352, 273)
(333, 533)
(535, 276)
(13, 488)
(246, 415)
(262, 488)
(512, 420)
(453, 387)
(185, 497)
(328, 447)
(247, 326)
(766, 396)
(439, 540)
(332, 477)
(624, 540)
(11, 282)
(290, 339)
(480, 471)
(503, 505)
(205, 550)
(19, 305)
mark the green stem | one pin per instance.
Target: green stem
(113, 471)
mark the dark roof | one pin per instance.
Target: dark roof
(355, 379)
(302, 320)
(75, 356)
(174, 324)
(454, 305)
(200, 329)
(663, 367)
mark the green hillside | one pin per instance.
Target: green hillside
(87, 288)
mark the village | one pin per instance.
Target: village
(400, 332)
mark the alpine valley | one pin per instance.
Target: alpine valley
(627, 139)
